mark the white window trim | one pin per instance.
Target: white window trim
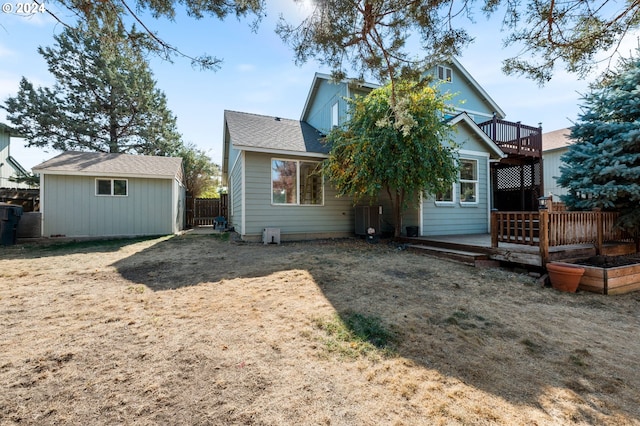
(297, 203)
(112, 187)
(451, 203)
(445, 71)
(474, 181)
(335, 115)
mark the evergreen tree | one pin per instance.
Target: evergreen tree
(379, 149)
(104, 98)
(603, 165)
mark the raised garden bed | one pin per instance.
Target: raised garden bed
(609, 274)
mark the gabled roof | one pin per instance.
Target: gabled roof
(556, 140)
(21, 171)
(114, 165)
(10, 130)
(319, 78)
(262, 133)
(493, 149)
(483, 94)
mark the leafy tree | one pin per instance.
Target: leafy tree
(603, 164)
(201, 174)
(104, 98)
(377, 150)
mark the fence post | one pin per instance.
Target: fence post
(494, 229)
(544, 237)
(599, 230)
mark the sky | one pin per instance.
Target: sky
(259, 75)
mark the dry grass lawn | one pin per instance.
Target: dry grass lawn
(197, 330)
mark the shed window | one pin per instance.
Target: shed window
(468, 181)
(335, 120)
(296, 182)
(112, 187)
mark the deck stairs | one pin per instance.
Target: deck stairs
(468, 255)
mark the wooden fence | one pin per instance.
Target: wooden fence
(203, 211)
(557, 228)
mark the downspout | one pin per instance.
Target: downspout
(42, 192)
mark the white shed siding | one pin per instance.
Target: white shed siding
(71, 208)
(335, 217)
(551, 171)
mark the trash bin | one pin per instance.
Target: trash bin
(9, 218)
(412, 231)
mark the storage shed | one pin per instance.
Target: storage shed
(92, 194)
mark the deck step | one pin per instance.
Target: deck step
(466, 257)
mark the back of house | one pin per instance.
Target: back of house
(271, 166)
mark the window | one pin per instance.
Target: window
(468, 181)
(445, 197)
(112, 187)
(444, 73)
(334, 115)
(296, 182)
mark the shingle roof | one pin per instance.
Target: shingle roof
(261, 132)
(556, 139)
(107, 164)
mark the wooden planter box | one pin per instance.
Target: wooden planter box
(616, 280)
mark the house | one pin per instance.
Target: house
(554, 145)
(9, 167)
(92, 194)
(270, 168)
(270, 165)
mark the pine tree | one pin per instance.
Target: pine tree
(603, 165)
(104, 98)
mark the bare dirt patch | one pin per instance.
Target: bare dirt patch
(195, 330)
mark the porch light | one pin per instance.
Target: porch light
(543, 203)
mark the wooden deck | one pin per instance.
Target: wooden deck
(505, 252)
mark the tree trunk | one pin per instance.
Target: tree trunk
(397, 212)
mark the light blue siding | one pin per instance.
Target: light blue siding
(335, 217)
(236, 194)
(466, 97)
(319, 113)
(458, 218)
(71, 208)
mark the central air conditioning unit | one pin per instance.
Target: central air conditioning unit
(368, 218)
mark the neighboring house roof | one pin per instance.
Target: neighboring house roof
(21, 171)
(493, 149)
(108, 164)
(10, 130)
(318, 78)
(262, 133)
(556, 140)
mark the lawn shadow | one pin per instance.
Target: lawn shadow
(65, 246)
(468, 324)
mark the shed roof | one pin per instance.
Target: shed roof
(556, 139)
(108, 164)
(255, 132)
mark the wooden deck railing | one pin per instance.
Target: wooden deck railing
(514, 138)
(549, 229)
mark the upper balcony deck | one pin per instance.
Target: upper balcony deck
(515, 139)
